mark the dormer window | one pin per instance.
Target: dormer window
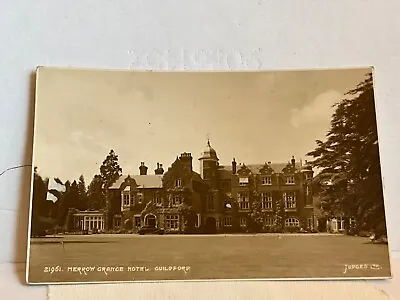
(289, 179)
(178, 182)
(266, 180)
(243, 181)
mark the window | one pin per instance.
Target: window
(158, 201)
(269, 221)
(292, 222)
(178, 182)
(340, 224)
(309, 223)
(243, 222)
(197, 222)
(228, 221)
(226, 185)
(266, 180)
(290, 200)
(126, 199)
(352, 221)
(307, 190)
(290, 180)
(137, 222)
(243, 181)
(140, 198)
(266, 201)
(177, 200)
(172, 222)
(243, 201)
(210, 202)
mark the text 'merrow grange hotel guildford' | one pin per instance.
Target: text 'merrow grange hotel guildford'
(220, 197)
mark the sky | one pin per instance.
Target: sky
(254, 117)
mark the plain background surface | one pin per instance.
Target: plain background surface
(192, 35)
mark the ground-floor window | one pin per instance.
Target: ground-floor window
(117, 222)
(172, 222)
(228, 221)
(269, 221)
(292, 222)
(137, 222)
(243, 222)
(309, 223)
(197, 221)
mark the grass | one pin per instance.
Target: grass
(209, 257)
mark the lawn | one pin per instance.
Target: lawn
(204, 257)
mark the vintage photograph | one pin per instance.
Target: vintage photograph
(149, 176)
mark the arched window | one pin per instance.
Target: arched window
(292, 222)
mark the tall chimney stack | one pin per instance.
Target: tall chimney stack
(143, 169)
(293, 161)
(233, 166)
(159, 170)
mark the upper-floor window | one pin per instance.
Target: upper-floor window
(210, 202)
(243, 222)
(140, 197)
(266, 201)
(289, 199)
(289, 179)
(177, 200)
(307, 190)
(178, 182)
(243, 181)
(158, 200)
(126, 199)
(225, 184)
(243, 201)
(266, 180)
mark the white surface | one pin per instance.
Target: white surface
(206, 34)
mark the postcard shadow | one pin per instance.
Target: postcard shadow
(21, 237)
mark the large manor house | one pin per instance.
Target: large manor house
(220, 198)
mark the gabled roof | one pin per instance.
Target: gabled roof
(255, 168)
(143, 181)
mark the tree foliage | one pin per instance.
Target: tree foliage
(110, 170)
(96, 195)
(350, 179)
(83, 197)
(256, 215)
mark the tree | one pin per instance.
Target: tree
(96, 196)
(279, 215)
(40, 207)
(350, 179)
(110, 170)
(256, 215)
(83, 197)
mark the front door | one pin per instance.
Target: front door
(151, 221)
(211, 225)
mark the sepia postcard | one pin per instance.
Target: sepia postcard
(161, 176)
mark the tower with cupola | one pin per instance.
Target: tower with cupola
(209, 165)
